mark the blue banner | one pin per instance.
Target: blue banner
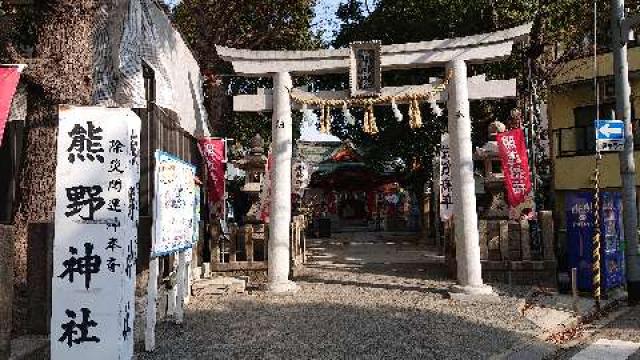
(580, 228)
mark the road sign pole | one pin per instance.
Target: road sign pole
(627, 163)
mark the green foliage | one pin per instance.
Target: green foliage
(247, 24)
(566, 22)
(18, 24)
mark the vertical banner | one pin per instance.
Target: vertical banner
(580, 220)
(175, 197)
(95, 247)
(9, 77)
(515, 165)
(213, 152)
(446, 188)
(612, 237)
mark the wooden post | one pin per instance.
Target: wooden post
(504, 239)
(574, 290)
(233, 238)
(546, 221)
(483, 228)
(172, 294)
(181, 281)
(525, 240)
(214, 246)
(248, 237)
(152, 295)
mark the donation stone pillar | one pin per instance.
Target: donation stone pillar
(465, 215)
(280, 211)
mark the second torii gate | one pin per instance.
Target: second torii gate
(454, 54)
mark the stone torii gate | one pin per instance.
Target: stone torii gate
(454, 54)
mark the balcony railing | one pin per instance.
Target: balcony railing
(578, 141)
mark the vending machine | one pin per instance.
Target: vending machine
(580, 230)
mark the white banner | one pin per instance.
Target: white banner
(175, 197)
(446, 188)
(95, 247)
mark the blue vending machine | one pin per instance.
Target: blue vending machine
(580, 221)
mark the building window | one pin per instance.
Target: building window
(580, 139)
(585, 133)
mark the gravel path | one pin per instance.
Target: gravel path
(349, 311)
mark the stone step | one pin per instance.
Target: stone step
(220, 285)
(608, 349)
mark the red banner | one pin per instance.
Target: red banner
(213, 153)
(515, 165)
(9, 77)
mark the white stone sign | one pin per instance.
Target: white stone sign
(95, 247)
(175, 197)
(446, 187)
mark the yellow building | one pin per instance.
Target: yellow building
(572, 111)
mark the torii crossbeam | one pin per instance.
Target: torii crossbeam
(454, 54)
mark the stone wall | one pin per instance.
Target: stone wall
(507, 253)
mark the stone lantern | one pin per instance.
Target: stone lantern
(493, 178)
(253, 164)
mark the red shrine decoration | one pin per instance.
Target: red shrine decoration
(213, 152)
(9, 78)
(515, 165)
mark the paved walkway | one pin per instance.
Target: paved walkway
(372, 297)
(619, 334)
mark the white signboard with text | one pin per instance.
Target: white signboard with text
(175, 197)
(95, 247)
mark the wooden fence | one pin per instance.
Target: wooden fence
(245, 248)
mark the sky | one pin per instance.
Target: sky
(325, 18)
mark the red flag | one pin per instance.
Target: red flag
(9, 77)
(213, 153)
(515, 165)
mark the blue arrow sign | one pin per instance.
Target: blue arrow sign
(609, 130)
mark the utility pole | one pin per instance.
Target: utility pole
(620, 28)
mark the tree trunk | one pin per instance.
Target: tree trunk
(59, 73)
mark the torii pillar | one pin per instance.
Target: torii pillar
(464, 194)
(280, 208)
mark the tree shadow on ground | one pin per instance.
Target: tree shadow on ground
(399, 272)
(284, 328)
